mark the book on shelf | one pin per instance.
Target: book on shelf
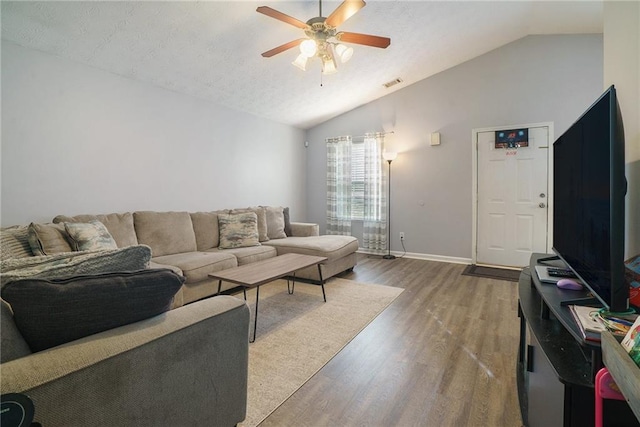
(592, 321)
(588, 322)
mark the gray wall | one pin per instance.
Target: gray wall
(622, 69)
(534, 79)
(79, 140)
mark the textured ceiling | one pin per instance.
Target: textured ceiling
(212, 49)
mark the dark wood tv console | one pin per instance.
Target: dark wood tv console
(556, 367)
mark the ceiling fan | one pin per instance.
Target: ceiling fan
(322, 38)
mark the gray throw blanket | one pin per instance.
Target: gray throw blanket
(68, 264)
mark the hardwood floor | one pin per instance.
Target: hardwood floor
(442, 354)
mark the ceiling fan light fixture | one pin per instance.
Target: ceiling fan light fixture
(308, 48)
(329, 65)
(301, 62)
(344, 52)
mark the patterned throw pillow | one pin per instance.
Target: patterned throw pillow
(91, 236)
(238, 230)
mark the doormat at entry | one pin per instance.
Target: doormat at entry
(492, 273)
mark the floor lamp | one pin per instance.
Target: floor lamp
(389, 156)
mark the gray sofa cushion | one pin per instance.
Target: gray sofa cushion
(331, 246)
(52, 312)
(166, 233)
(13, 344)
(120, 226)
(205, 227)
(196, 266)
(250, 254)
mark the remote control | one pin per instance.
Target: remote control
(560, 272)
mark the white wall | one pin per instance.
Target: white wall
(622, 69)
(79, 140)
(534, 79)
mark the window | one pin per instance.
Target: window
(357, 181)
(356, 189)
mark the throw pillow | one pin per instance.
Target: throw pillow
(120, 226)
(261, 213)
(91, 236)
(275, 222)
(52, 312)
(287, 223)
(238, 230)
(48, 239)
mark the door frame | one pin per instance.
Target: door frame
(474, 174)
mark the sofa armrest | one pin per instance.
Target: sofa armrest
(187, 366)
(304, 229)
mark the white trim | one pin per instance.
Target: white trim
(474, 175)
(426, 257)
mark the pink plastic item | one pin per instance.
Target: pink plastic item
(606, 388)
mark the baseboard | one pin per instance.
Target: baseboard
(426, 257)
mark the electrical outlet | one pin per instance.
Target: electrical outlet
(402, 235)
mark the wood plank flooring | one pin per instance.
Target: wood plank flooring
(442, 354)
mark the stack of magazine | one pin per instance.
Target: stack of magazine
(592, 321)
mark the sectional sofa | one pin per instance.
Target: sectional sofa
(193, 244)
(184, 366)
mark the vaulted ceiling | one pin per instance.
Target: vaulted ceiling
(211, 49)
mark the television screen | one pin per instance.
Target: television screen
(588, 201)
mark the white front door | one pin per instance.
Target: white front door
(512, 199)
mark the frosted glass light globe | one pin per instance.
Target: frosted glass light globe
(344, 52)
(308, 48)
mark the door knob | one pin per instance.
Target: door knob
(542, 205)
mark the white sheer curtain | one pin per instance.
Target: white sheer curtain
(339, 185)
(374, 237)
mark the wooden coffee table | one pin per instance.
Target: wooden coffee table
(261, 272)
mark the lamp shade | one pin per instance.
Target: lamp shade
(329, 65)
(301, 62)
(308, 48)
(389, 155)
(344, 52)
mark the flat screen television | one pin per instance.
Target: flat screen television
(589, 188)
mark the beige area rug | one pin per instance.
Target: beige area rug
(298, 334)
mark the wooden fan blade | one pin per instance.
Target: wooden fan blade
(346, 10)
(365, 39)
(266, 10)
(282, 48)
